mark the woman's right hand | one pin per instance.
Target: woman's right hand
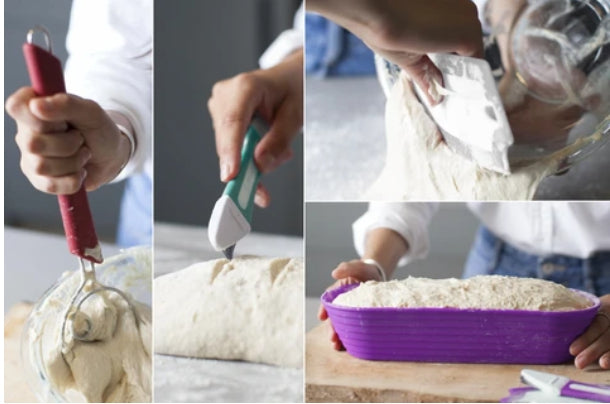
(66, 140)
(346, 273)
(276, 94)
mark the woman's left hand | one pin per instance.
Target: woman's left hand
(594, 343)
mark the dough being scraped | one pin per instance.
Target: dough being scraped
(249, 308)
(419, 166)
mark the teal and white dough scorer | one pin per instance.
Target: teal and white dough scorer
(232, 214)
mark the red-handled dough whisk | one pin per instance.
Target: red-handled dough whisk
(47, 79)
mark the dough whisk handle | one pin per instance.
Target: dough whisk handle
(47, 79)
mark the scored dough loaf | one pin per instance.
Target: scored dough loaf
(249, 308)
(479, 292)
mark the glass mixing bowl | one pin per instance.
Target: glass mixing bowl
(129, 271)
(556, 88)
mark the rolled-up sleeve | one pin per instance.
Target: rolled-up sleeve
(285, 44)
(110, 61)
(410, 220)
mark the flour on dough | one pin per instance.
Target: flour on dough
(479, 292)
(249, 308)
(419, 166)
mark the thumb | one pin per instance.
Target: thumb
(79, 112)
(424, 72)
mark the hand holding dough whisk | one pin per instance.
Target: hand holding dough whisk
(47, 79)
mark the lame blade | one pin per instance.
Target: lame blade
(228, 252)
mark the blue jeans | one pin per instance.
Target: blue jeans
(332, 51)
(135, 219)
(492, 255)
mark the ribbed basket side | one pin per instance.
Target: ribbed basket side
(457, 335)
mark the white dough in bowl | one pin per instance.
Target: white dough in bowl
(249, 308)
(479, 292)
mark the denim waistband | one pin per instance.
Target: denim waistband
(591, 274)
(500, 244)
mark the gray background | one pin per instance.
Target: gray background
(329, 241)
(24, 206)
(196, 44)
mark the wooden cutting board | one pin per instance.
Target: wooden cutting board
(332, 376)
(16, 389)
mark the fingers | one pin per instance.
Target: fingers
(473, 47)
(55, 166)
(65, 185)
(322, 314)
(262, 198)
(274, 148)
(424, 72)
(604, 361)
(596, 350)
(355, 269)
(54, 163)
(350, 280)
(79, 112)
(18, 107)
(49, 144)
(232, 105)
(598, 326)
(470, 42)
(594, 343)
(334, 339)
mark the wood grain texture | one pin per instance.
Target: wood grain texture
(332, 376)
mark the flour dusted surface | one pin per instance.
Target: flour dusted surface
(479, 292)
(249, 308)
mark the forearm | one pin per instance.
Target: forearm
(348, 14)
(290, 69)
(386, 247)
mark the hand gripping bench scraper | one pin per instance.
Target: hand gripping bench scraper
(471, 117)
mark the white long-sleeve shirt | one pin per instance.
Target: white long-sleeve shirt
(577, 229)
(110, 61)
(287, 42)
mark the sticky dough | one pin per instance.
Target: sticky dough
(419, 166)
(249, 308)
(114, 365)
(479, 292)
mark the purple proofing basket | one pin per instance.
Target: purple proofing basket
(457, 335)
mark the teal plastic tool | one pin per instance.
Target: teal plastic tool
(232, 214)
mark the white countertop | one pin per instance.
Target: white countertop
(345, 137)
(345, 146)
(34, 260)
(196, 380)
